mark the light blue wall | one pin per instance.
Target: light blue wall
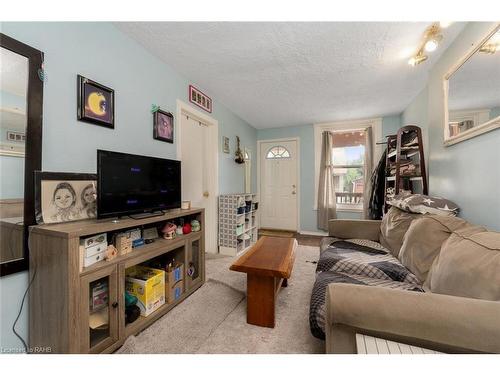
(308, 221)
(12, 181)
(495, 112)
(468, 172)
(390, 125)
(100, 52)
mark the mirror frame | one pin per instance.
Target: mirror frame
(485, 127)
(33, 145)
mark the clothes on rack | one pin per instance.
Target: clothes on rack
(377, 190)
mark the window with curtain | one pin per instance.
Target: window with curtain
(348, 168)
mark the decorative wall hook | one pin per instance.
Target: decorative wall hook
(239, 157)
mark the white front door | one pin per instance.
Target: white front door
(198, 158)
(278, 185)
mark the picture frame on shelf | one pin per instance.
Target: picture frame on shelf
(62, 197)
(163, 126)
(96, 103)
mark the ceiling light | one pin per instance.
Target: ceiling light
(445, 24)
(420, 58)
(490, 48)
(431, 45)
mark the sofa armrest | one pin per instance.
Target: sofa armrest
(362, 229)
(433, 321)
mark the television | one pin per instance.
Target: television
(133, 184)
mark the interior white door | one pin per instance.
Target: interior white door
(197, 174)
(278, 185)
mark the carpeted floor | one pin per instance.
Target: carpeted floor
(213, 319)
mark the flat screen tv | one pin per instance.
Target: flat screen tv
(132, 184)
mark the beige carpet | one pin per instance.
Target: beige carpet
(213, 319)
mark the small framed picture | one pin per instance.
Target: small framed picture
(61, 197)
(96, 103)
(163, 126)
(225, 145)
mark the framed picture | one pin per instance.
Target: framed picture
(200, 99)
(225, 145)
(96, 103)
(62, 197)
(163, 126)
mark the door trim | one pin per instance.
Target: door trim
(213, 147)
(259, 144)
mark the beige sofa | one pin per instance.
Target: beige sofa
(458, 265)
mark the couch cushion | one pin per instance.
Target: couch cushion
(325, 242)
(317, 310)
(393, 229)
(423, 240)
(364, 258)
(424, 204)
(468, 265)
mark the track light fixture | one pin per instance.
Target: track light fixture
(492, 45)
(431, 39)
(415, 60)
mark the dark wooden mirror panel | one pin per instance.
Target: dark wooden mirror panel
(14, 229)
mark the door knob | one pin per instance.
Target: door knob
(293, 192)
(205, 194)
(115, 305)
(293, 186)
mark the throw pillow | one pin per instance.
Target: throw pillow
(424, 204)
(394, 225)
(468, 265)
(422, 242)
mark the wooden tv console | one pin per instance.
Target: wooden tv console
(60, 291)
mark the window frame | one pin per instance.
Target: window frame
(344, 126)
(275, 157)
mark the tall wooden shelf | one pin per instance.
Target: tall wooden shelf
(59, 293)
(399, 151)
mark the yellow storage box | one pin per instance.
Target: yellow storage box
(148, 285)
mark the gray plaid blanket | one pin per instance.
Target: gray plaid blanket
(361, 262)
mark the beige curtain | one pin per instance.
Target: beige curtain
(326, 191)
(367, 172)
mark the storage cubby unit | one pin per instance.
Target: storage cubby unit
(86, 305)
(237, 222)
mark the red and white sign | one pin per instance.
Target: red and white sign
(200, 99)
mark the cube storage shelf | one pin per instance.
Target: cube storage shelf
(67, 301)
(238, 225)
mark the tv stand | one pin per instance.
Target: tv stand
(146, 215)
(60, 312)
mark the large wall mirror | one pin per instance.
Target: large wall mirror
(472, 91)
(21, 96)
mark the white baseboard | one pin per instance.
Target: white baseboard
(313, 233)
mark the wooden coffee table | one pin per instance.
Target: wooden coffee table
(268, 265)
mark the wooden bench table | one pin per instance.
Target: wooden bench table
(268, 265)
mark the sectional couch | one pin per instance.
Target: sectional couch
(429, 280)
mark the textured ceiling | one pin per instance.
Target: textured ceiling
(286, 74)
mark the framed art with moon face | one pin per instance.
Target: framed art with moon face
(96, 103)
(163, 126)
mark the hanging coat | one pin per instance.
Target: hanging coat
(377, 190)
